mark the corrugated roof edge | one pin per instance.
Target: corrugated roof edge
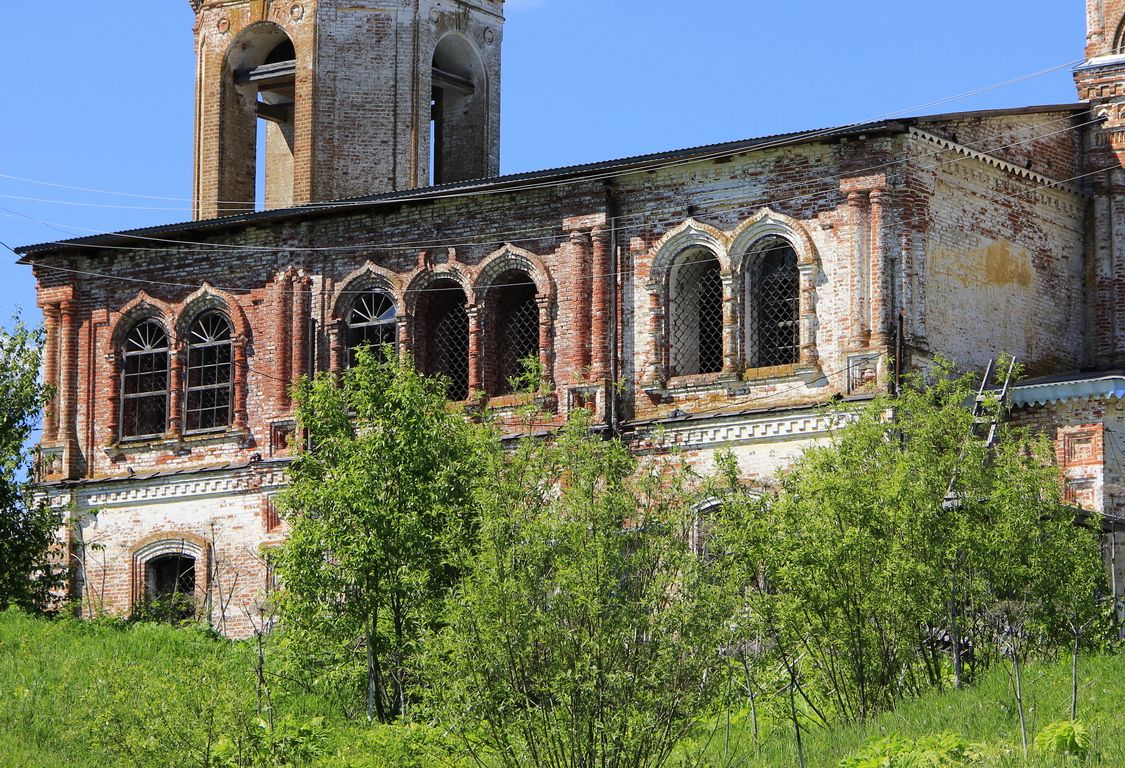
(622, 166)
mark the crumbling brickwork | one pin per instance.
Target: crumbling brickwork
(983, 232)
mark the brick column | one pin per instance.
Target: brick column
(807, 315)
(599, 330)
(656, 333)
(475, 362)
(299, 334)
(283, 330)
(880, 317)
(336, 346)
(403, 332)
(580, 346)
(238, 390)
(546, 342)
(67, 412)
(858, 333)
(176, 386)
(112, 402)
(51, 371)
(730, 325)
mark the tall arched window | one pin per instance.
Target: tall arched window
(442, 335)
(210, 369)
(695, 314)
(773, 286)
(459, 113)
(371, 323)
(513, 329)
(144, 391)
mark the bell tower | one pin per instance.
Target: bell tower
(331, 99)
(1101, 84)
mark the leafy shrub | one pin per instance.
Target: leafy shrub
(947, 750)
(398, 746)
(288, 744)
(1064, 738)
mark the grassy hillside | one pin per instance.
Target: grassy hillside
(83, 696)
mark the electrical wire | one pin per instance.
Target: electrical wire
(718, 153)
(505, 236)
(237, 290)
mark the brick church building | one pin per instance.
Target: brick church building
(709, 299)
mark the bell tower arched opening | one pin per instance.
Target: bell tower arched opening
(459, 117)
(258, 120)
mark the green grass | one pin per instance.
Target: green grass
(65, 687)
(985, 713)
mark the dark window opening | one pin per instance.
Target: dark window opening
(773, 305)
(443, 336)
(514, 335)
(260, 122)
(459, 113)
(144, 391)
(210, 372)
(170, 588)
(371, 323)
(696, 315)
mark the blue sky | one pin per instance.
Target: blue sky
(100, 94)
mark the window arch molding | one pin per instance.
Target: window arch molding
(508, 258)
(207, 299)
(687, 235)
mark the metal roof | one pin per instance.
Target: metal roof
(518, 181)
(1071, 386)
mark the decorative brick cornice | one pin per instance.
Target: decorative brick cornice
(995, 162)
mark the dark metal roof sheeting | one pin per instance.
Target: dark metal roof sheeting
(515, 182)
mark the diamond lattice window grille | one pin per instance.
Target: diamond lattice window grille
(695, 324)
(773, 305)
(516, 337)
(446, 323)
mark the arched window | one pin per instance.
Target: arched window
(459, 113)
(371, 323)
(512, 329)
(144, 390)
(258, 120)
(773, 286)
(442, 335)
(210, 372)
(695, 314)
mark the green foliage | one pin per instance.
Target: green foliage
(382, 514)
(947, 750)
(587, 632)
(404, 745)
(169, 609)
(531, 379)
(286, 744)
(849, 571)
(28, 527)
(1064, 738)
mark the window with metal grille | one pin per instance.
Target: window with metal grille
(515, 332)
(695, 315)
(371, 323)
(773, 305)
(144, 390)
(210, 372)
(444, 326)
